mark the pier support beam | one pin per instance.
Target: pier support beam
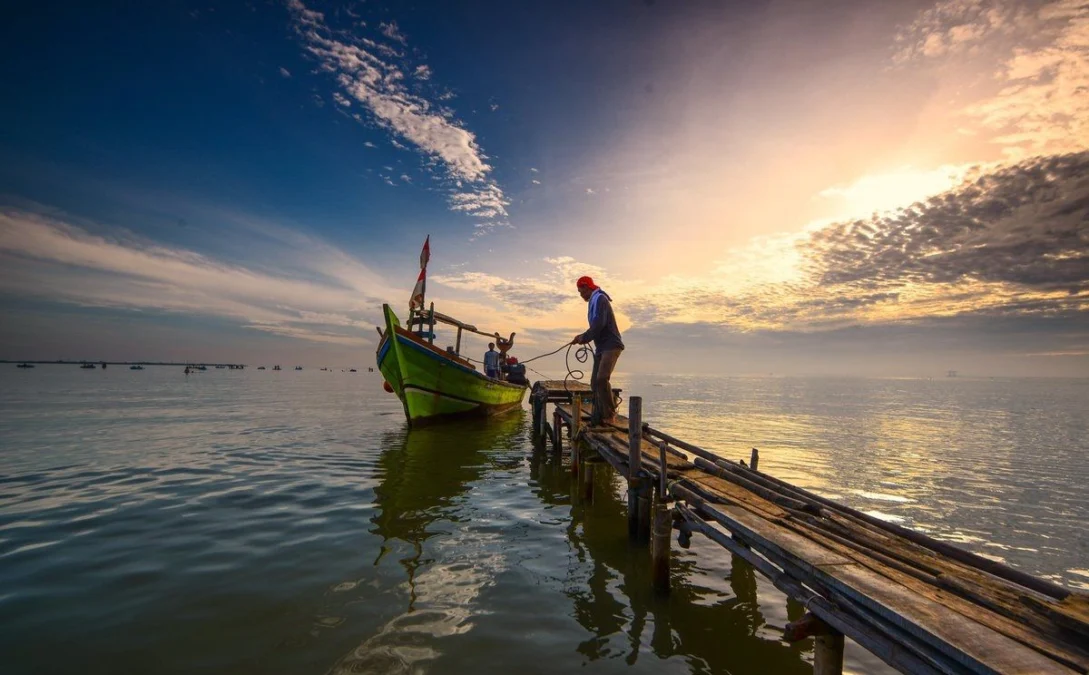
(576, 425)
(828, 653)
(557, 430)
(827, 643)
(586, 480)
(659, 545)
(638, 492)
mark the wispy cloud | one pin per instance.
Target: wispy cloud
(391, 31)
(284, 72)
(372, 76)
(327, 297)
(1041, 101)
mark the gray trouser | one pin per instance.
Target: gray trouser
(604, 404)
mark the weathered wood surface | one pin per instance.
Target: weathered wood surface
(939, 605)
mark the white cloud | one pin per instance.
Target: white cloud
(590, 191)
(422, 72)
(536, 182)
(285, 72)
(366, 73)
(339, 98)
(369, 144)
(391, 31)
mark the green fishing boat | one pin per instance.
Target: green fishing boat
(433, 383)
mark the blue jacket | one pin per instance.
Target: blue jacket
(603, 331)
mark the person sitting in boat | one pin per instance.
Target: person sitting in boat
(607, 347)
(491, 362)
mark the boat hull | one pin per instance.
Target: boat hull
(434, 385)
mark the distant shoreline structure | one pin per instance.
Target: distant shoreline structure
(180, 364)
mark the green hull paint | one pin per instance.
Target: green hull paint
(432, 386)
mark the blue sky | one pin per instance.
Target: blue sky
(844, 187)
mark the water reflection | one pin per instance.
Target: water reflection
(712, 618)
(421, 511)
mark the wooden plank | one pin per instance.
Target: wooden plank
(1025, 634)
(879, 643)
(969, 642)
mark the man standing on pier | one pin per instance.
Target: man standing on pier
(607, 347)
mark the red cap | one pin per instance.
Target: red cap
(587, 282)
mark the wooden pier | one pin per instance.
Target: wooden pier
(919, 604)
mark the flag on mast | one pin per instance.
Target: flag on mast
(418, 293)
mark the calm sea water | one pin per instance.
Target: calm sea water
(286, 522)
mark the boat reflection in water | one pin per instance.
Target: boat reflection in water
(426, 475)
(497, 566)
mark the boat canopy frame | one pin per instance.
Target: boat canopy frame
(429, 317)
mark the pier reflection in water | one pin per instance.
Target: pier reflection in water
(712, 617)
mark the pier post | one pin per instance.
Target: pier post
(586, 480)
(535, 406)
(635, 437)
(542, 420)
(576, 424)
(659, 545)
(635, 453)
(827, 642)
(828, 653)
(557, 430)
(754, 459)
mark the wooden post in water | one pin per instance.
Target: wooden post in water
(828, 653)
(827, 642)
(542, 419)
(635, 460)
(586, 479)
(557, 422)
(754, 459)
(535, 406)
(659, 544)
(576, 424)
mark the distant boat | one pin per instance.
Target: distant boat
(325, 369)
(277, 368)
(103, 365)
(202, 367)
(88, 366)
(298, 367)
(25, 365)
(260, 367)
(136, 367)
(351, 370)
